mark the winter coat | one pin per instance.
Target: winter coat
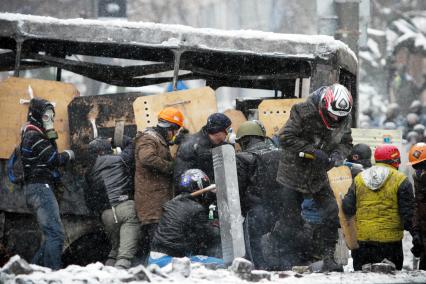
(419, 221)
(195, 152)
(40, 157)
(305, 132)
(382, 201)
(184, 228)
(110, 175)
(257, 168)
(153, 175)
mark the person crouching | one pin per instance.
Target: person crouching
(111, 175)
(184, 228)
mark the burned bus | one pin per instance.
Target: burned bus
(287, 67)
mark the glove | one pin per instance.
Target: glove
(418, 247)
(70, 154)
(337, 159)
(322, 159)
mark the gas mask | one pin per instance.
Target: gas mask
(48, 119)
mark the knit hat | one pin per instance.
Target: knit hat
(217, 122)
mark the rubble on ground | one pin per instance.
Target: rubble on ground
(180, 270)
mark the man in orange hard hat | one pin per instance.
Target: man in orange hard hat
(154, 170)
(417, 158)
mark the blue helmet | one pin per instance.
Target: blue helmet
(193, 180)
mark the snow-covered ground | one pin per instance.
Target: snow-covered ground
(98, 273)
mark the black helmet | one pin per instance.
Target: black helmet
(36, 110)
(193, 180)
(361, 154)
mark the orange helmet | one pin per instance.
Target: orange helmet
(417, 153)
(172, 115)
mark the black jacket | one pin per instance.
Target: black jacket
(110, 181)
(40, 157)
(420, 209)
(195, 153)
(184, 228)
(305, 132)
(257, 168)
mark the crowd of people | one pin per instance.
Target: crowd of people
(155, 205)
(411, 123)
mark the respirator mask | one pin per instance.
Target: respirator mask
(48, 119)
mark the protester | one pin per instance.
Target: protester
(417, 158)
(40, 160)
(184, 228)
(361, 155)
(320, 127)
(195, 150)
(381, 198)
(154, 170)
(257, 165)
(111, 176)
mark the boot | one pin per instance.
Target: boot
(270, 253)
(329, 263)
(123, 263)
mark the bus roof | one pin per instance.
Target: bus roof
(217, 55)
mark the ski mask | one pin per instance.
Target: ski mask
(48, 119)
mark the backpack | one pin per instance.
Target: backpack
(15, 169)
(14, 166)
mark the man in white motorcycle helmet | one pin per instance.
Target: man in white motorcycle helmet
(316, 137)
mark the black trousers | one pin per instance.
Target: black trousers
(289, 240)
(144, 248)
(258, 221)
(374, 252)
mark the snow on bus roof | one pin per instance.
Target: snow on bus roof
(170, 36)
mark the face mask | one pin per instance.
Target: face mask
(48, 120)
(421, 175)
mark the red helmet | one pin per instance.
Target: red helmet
(335, 105)
(388, 154)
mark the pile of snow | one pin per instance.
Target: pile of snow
(183, 272)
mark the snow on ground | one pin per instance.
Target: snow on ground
(98, 273)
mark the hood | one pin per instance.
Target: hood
(375, 177)
(315, 97)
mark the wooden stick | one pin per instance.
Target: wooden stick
(203, 190)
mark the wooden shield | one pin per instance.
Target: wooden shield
(195, 104)
(14, 99)
(275, 113)
(340, 179)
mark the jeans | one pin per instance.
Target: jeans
(42, 202)
(123, 230)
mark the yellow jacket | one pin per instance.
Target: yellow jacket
(377, 215)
